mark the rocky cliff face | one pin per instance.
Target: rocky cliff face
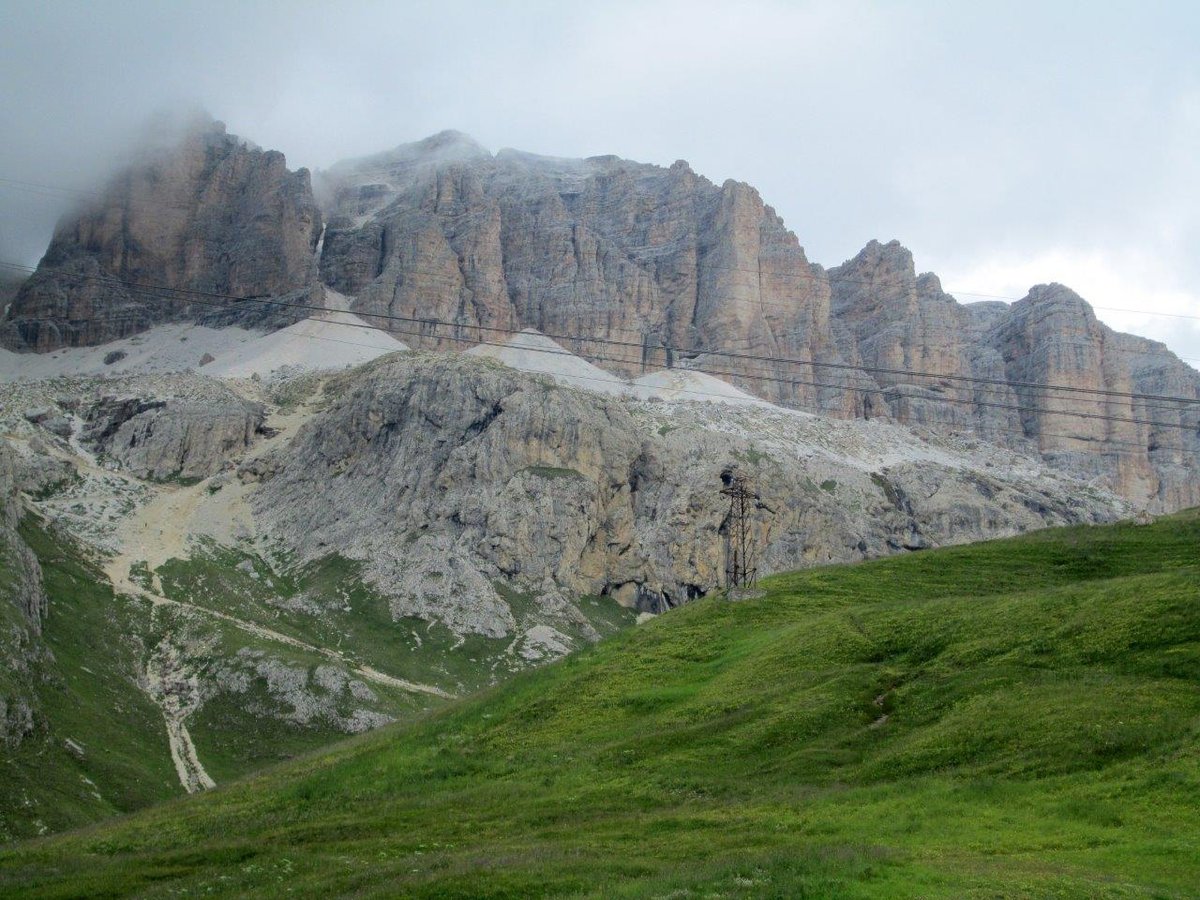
(205, 212)
(22, 612)
(166, 439)
(1094, 423)
(645, 258)
(627, 263)
(457, 481)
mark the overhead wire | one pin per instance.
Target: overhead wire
(227, 301)
(629, 386)
(185, 295)
(725, 351)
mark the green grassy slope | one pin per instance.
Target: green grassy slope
(87, 693)
(99, 746)
(1016, 718)
(328, 604)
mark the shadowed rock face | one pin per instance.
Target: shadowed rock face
(204, 213)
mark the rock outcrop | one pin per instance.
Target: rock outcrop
(458, 481)
(203, 212)
(172, 439)
(983, 366)
(22, 576)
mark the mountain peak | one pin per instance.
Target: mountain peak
(450, 139)
(443, 148)
(877, 257)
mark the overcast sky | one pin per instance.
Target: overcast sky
(1005, 144)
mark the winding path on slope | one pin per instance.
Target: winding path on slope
(128, 587)
(160, 531)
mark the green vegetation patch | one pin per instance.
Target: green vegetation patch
(326, 604)
(752, 455)
(100, 745)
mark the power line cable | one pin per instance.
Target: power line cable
(184, 294)
(426, 322)
(1108, 442)
(226, 304)
(458, 278)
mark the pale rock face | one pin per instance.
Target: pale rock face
(454, 479)
(205, 213)
(1147, 450)
(644, 258)
(164, 439)
(889, 319)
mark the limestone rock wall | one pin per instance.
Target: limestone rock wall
(893, 322)
(629, 264)
(645, 259)
(175, 438)
(204, 212)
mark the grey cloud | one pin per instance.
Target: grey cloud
(966, 130)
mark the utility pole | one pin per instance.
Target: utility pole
(740, 567)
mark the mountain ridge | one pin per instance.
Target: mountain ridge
(671, 271)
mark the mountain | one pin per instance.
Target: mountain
(316, 532)
(639, 267)
(202, 211)
(505, 426)
(453, 477)
(635, 267)
(1012, 718)
(297, 530)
